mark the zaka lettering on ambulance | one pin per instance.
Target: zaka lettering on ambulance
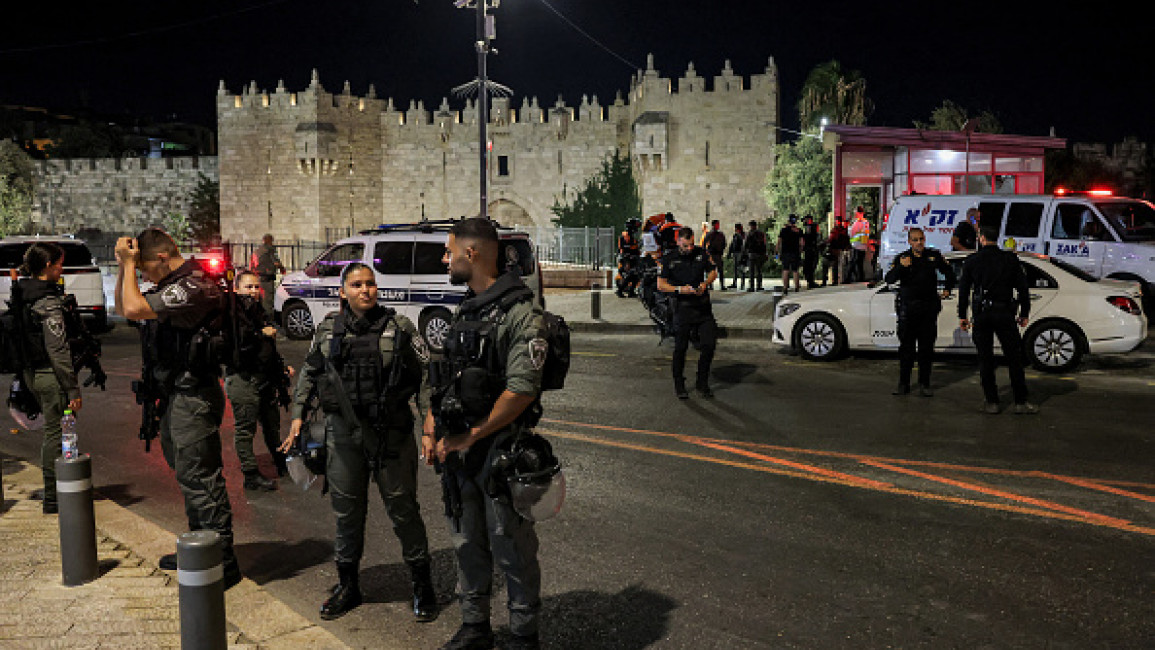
(937, 217)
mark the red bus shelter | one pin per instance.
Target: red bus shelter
(902, 161)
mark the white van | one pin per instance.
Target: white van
(1103, 235)
(410, 277)
(81, 275)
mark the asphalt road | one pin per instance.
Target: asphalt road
(802, 507)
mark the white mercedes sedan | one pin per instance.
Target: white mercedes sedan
(1072, 314)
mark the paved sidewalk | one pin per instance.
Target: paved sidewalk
(133, 604)
(740, 314)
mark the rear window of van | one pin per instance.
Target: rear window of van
(75, 254)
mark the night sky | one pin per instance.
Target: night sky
(1036, 66)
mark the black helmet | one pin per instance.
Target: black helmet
(308, 456)
(633, 224)
(532, 476)
(23, 407)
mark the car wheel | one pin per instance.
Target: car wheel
(434, 326)
(820, 338)
(298, 321)
(1055, 346)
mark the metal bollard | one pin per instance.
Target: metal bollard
(595, 301)
(775, 297)
(200, 575)
(77, 520)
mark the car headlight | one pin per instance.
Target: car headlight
(785, 309)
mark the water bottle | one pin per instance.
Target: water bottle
(68, 435)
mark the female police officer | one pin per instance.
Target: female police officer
(365, 363)
(48, 364)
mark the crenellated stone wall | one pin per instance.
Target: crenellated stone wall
(306, 164)
(114, 194)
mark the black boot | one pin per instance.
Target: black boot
(471, 636)
(680, 389)
(257, 481)
(425, 606)
(345, 595)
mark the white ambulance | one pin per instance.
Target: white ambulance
(1103, 235)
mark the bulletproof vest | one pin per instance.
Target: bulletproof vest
(35, 352)
(199, 349)
(476, 377)
(372, 389)
(255, 352)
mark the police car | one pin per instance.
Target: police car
(81, 274)
(411, 277)
(1072, 313)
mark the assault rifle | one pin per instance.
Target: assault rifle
(84, 347)
(448, 417)
(149, 393)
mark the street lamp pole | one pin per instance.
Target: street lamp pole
(482, 106)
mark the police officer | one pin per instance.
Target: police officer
(688, 275)
(999, 285)
(184, 313)
(755, 252)
(48, 360)
(496, 351)
(917, 305)
(629, 256)
(365, 364)
(252, 378)
(266, 263)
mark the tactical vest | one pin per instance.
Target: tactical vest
(373, 390)
(199, 350)
(35, 351)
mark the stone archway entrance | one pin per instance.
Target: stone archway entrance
(509, 214)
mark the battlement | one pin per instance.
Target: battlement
(646, 85)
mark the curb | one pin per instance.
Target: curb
(259, 617)
(606, 327)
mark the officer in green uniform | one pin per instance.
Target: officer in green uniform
(185, 309)
(252, 385)
(365, 364)
(49, 371)
(495, 352)
(266, 263)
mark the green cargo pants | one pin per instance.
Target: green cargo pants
(348, 473)
(190, 436)
(491, 532)
(254, 402)
(53, 401)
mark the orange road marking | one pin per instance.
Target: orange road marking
(1090, 516)
(849, 478)
(1093, 485)
(1049, 509)
(1003, 507)
(849, 456)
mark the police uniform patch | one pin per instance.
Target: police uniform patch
(55, 326)
(537, 352)
(420, 348)
(174, 295)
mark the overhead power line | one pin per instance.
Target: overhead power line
(595, 41)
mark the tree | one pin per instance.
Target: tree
(952, 117)
(15, 189)
(801, 180)
(831, 93)
(177, 226)
(204, 214)
(85, 140)
(1064, 169)
(609, 198)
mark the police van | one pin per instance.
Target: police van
(1103, 235)
(411, 277)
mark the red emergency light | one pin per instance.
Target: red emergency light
(1062, 191)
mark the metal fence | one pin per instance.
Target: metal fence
(595, 248)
